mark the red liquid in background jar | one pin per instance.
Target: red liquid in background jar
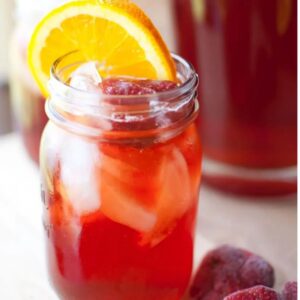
(246, 55)
(139, 243)
(31, 133)
(27, 102)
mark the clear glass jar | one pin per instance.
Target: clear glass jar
(27, 101)
(246, 55)
(120, 180)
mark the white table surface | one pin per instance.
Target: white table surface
(265, 226)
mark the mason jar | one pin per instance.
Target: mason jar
(120, 180)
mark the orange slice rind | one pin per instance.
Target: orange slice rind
(116, 33)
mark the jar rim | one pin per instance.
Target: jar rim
(111, 116)
(185, 86)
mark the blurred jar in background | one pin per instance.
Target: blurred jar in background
(161, 13)
(27, 101)
(246, 55)
(6, 8)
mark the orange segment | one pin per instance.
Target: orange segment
(164, 199)
(114, 32)
(173, 196)
(121, 204)
(124, 192)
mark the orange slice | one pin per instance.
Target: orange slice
(116, 33)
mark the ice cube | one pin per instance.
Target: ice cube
(78, 163)
(52, 141)
(86, 78)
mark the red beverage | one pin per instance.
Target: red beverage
(121, 189)
(246, 53)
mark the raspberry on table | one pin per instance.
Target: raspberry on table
(228, 269)
(255, 293)
(290, 291)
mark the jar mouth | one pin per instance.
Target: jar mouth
(60, 81)
(121, 116)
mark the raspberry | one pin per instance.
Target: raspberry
(290, 291)
(158, 85)
(255, 293)
(127, 86)
(147, 118)
(257, 271)
(228, 269)
(264, 293)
